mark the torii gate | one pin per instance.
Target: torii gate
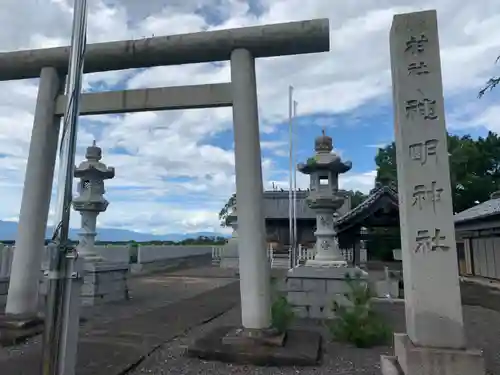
(241, 46)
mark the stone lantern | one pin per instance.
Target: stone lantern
(90, 201)
(313, 287)
(324, 169)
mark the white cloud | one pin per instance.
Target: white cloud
(172, 173)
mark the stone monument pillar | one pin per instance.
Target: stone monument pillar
(435, 340)
(324, 168)
(91, 201)
(312, 288)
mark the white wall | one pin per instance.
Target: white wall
(118, 254)
(114, 253)
(147, 254)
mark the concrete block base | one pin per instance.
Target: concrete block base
(413, 360)
(312, 290)
(300, 348)
(14, 329)
(104, 282)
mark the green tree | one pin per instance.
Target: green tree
(226, 210)
(491, 84)
(474, 168)
(357, 197)
(386, 165)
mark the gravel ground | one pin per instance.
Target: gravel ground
(482, 326)
(147, 293)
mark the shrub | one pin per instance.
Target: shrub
(357, 322)
(282, 314)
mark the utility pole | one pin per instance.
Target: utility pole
(294, 162)
(65, 268)
(290, 178)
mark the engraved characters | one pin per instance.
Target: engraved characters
(417, 68)
(421, 194)
(424, 107)
(427, 109)
(427, 242)
(416, 45)
(422, 150)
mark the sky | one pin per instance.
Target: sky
(175, 169)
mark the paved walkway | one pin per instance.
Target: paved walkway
(118, 336)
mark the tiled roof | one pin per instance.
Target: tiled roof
(276, 205)
(482, 210)
(359, 210)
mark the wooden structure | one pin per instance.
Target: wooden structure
(478, 239)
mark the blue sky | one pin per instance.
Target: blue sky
(174, 170)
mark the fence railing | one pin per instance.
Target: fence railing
(282, 260)
(217, 253)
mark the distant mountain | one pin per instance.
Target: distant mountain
(8, 232)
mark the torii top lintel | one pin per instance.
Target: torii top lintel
(290, 38)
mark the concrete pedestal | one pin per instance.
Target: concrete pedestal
(226, 344)
(312, 290)
(15, 328)
(413, 360)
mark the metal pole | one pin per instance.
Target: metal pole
(290, 177)
(64, 273)
(295, 240)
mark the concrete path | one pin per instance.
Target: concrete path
(119, 336)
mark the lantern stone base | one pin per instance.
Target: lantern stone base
(326, 263)
(413, 360)
(103, 282)
(312, 290)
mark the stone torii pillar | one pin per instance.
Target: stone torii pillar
(22, 299)
(252, 250)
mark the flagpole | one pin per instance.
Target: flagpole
(295, 244)
(290, 177)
